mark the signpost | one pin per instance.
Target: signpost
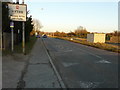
(18, 12)
(12, 35)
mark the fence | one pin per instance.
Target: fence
(6, 40)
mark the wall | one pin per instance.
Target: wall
(115, 39)
(96, 38)
(90, 37)
(99, 38)
(6, 40)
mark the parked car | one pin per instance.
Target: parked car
(44, 36)
(38, 36)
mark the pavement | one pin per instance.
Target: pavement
(30, 71)
(12, 66)
(40, 73)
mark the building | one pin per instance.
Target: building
(96, 38)
(115, 39)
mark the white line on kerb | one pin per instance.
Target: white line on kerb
(54, 68)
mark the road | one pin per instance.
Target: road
(82, 66)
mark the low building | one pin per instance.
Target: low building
(115, 39)
(96, 38)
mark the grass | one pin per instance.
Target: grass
(18, 48)
(29, 45)
(103, 46)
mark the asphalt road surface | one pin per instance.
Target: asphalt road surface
(82, 66)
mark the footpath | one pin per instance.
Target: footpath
(30, 71)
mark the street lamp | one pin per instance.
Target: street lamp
(17, 1)
(22, 1)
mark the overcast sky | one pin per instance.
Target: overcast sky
(94, 15)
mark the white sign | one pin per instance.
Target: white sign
(17, 12)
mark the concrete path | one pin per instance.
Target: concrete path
(12, 66)
(40, 73)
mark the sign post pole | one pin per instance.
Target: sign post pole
(23, 34)
(12, 40)
(12, 36)
(23, 43)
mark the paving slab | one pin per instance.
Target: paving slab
(40, 73)
(12, 66)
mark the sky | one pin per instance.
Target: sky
(67, 15)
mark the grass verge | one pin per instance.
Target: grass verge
(18, 48)
(103, 46)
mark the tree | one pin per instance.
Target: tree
(28, 28)
(57, 33)
(5, 18)
(37, 25)
(81, 32)
(70, 34)
(116, 33)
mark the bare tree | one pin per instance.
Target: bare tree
(81, 32)
(37, 25)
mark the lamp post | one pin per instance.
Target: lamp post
(17, 1)
(22, 1)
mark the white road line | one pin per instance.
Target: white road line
(69, 64)
(102, 60)
(68, 51)
(84, 84)
(91, 54)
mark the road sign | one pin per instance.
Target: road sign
(12, 24)
(17, 12)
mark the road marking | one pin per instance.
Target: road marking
(84, 84)
(93, 55)
(103, 61)
(68, 51)
(69, 64)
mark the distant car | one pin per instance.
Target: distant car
(44, 36)
(38, 36)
